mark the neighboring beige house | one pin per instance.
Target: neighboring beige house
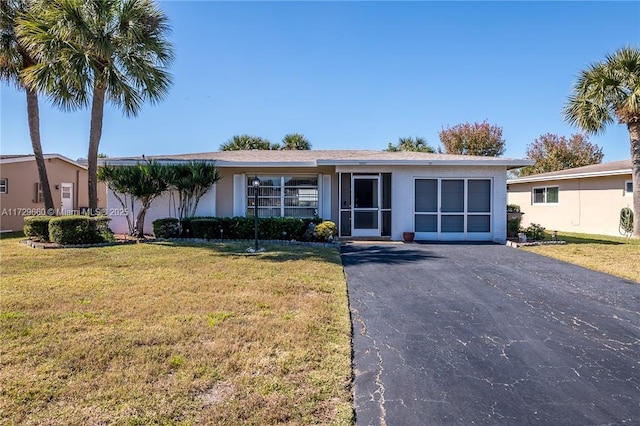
(584, 199)
(368, 194)
(21, 192)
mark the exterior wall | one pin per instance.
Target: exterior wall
(225, 191)
(161, 207)
(588, 205)
(402, 192)
(22, 177)
(220, 200)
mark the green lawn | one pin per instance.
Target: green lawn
(170, 334)
(614, 255)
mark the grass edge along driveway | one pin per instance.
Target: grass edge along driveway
(617, 256)
(174, 334)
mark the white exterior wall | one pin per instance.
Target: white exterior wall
(162, 207)
(402, 192)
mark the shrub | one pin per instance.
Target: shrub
(534, 232)
(166, 228)
(513, 226)
(513, 208)
(325, 231)
(37, 227)
(80, 229)
(242, 228)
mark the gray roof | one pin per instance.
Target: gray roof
(612, 168)
(7, 159)
(313, 158)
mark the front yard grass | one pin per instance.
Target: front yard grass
(173, 334)
(617, 256)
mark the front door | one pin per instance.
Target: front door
(66, 197)
(366, 206)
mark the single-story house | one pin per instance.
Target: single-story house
(372, 194)
(21, 191)
(583, 199)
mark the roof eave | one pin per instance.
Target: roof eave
(510, 164)
(571, 176)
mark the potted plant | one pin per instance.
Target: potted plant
(408, 236)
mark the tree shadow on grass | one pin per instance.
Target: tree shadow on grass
(390, 255)
(586, 239)
(274, 252)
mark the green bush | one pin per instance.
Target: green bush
(166, 228)
(80, 229)
(513, 208)
(513, 226)
(325, 231)
(37, 227)
(242, 228)
(534, 232)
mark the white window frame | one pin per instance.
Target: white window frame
(546, 191)
(4, 186)
(39, 196)
(628, 184)
(465, 234)
(248, 199)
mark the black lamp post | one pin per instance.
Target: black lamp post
(256, 186)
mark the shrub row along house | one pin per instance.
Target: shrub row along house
(585, 199)
(21, 192)
(366, 193)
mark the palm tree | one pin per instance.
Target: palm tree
(295, 141)
(242, 142)
(14, 58)
(410, 144)
(609, 91)
(93, 51)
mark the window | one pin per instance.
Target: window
(452, 206)
(545, 195)
(628, 188)
(4, 186)
(39, 198)
(284, 196)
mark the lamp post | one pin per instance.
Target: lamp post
(256, 186)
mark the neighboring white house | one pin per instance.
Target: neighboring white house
(584, 199)
(366, 193)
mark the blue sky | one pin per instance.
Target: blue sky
(353, 75)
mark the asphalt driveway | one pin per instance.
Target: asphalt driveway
(486, 334)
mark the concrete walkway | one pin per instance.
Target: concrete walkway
(485, 334)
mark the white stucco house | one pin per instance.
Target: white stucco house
(583, 199)
(371, 194)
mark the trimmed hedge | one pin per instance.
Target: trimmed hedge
(37, 227)
(80, 229)
(242, 228)
(166, 228)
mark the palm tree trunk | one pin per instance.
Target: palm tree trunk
(634, 133)
(95, 133)
(33, 113)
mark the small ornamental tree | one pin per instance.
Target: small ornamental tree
(481, 139)
(552, 153)
(143, 183)
(410, 144)
(191, 181)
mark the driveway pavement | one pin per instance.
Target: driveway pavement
(486, 334)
